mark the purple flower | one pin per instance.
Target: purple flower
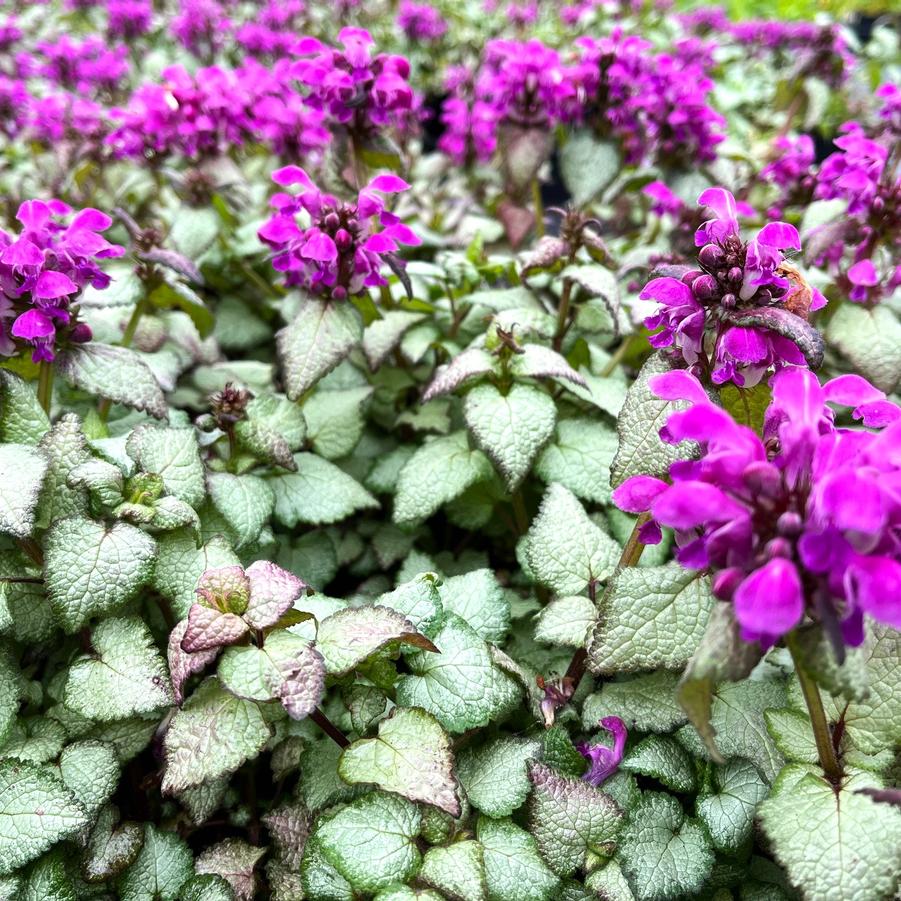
(701, 313)
(128, 19)
(803, 522)
(341, 253)
(420, 22)
(604, 760)
(201, 27)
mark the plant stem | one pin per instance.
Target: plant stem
(45, 385)
(519, 512)
(329, 728)
(539, 208)
(616, 359)
(821, 731)
(127, 336)
(563, 313)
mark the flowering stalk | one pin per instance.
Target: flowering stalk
(45, 385)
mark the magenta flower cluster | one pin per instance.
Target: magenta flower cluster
(421, 22)
(342, 251)
(42, 270)
(699, 312)
(803, 521)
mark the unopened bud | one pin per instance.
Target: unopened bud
(711, 256)
(81, 334)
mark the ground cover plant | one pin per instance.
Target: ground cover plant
(448, 451)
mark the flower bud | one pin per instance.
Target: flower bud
(778, 547)
(789, 524)
(711, 256)
(705, 287)
(763, 478)
(728, 301)
(81, 334)
(343, 240)
(726, 581)
(331, 221)
(690, 276)
(339, 292)
(736, 275)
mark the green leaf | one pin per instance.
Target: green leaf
(282, 416)
(206, 888)
(245, 502)
(110, 849)
(347, 638)
(466, 365)
(457, 871)
(559, 752)
(565, 550)
(459, 685)
(833, 843)
(9, 693)
(569, 818)
(193, 230)
(747, 406)
(213, 734)
(22, 418)
(441, 470)
(539, 362)
(579, 458)
(317, 493)
(412, 757)
(93, 570)
(650, 616)
(66, 448)
(478, 598)
(510, 428)
(115, 373)
(319, 879)
(335, 420)
(663, 854)
(49, 880)
(383, 335)
(320, 336)
(91, 770)
(126, 675)
(173, 455)
(566, 621)
(871, 341)
(176, 295)
(662, 758)
(641, 451)
(287, 668)
(646, 703)
(609, 883)
(729, 814)
(793, 734)
(495, 775)
(370, 842)
(22, 472)
(514, 870)
(36, 811)
(588, 164)
(234, 860)
(38, 739)
(420, 601)
(162, 867)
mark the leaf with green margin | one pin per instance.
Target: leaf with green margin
(126, 675)
(174, 455)
(837, 845)
(478, 598)
(663, 854)
(318, 493)
(644, 703)
(514, 870)
(650, 616)
(737, 718)
(850, 678)
(662, 758)
(180, 564)
(412, 756)
(320, 879)
(320, 785)
(565, 550)
(282, 416)
(569, 818)
(566, 621)
(234, 860)
(66, 448)
(49, 879)
(91, 570)
(36, 811)
(405, 893)
(349, 637)
(559, 752)
(610, 883)
(457, 871)
(418, 599)
(792, 733)
(641, 450)
(91, 770)
(474, 361)
(287, 668)
(208, 887)
(244, 501)
(871, 340)
(370, 842)
(875, 723)
(22, 418)
(213, 734)
(163, 865)
(114, 373)
(495, 775)
(459, 685)
(729, 814)
(588, 164)
(579, 458)
(441, 470)
(9, 693)
(319, 337)
(37, 739)
(335, 420)
(511, 428)
(22, 472)
(110, 848)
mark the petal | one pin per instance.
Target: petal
(770, 601)
(91, 219)
(747, 345)
(51, 285)
(679, 384)
(636, 495)
(290, 175)
(668, 291)
(380, 243)
(319, 247)
(854, 501)
(389, 184)
(851, 390)
(874, 584)
(779, 235)
(721, 202)
(688, 505)
(863, 273)
(33, 324)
